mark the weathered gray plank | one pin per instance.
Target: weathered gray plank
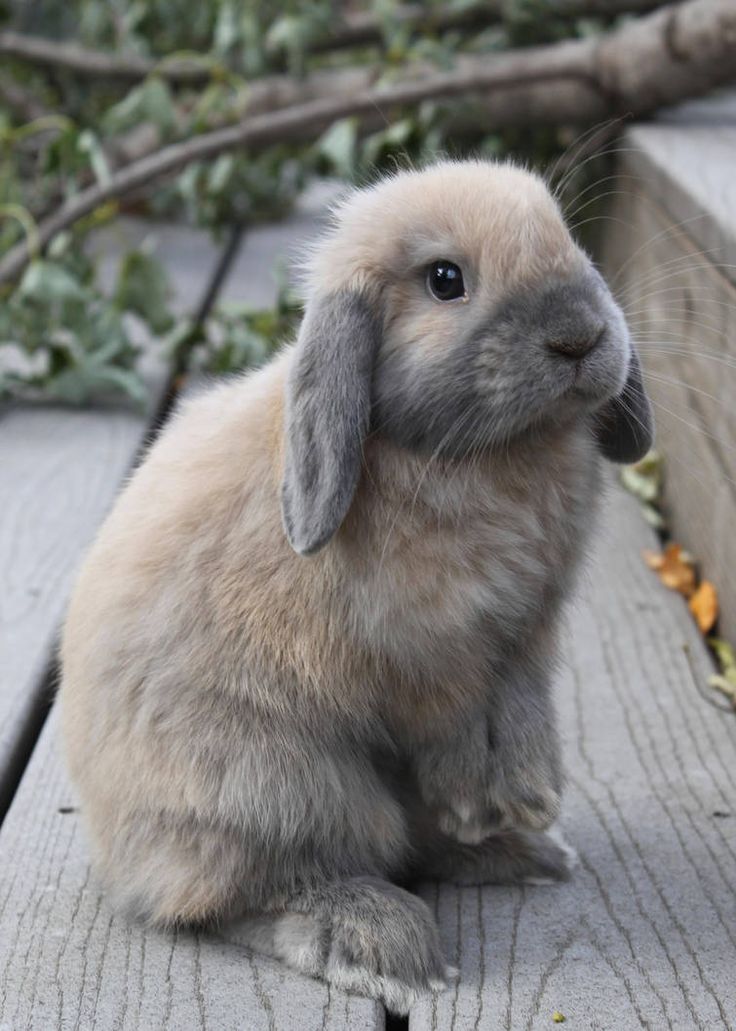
(66, 961)
(690, 171)
(645, 933)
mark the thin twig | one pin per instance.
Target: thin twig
(214, 286)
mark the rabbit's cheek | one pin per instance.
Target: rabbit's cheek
(557, 349)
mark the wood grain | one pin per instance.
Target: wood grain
(644, 936)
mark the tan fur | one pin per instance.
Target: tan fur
(199, 525)
(224, 699)
(205, 505)
(461, 211)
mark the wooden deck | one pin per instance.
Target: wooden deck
(644, 936)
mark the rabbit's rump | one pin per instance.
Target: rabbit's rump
(314, 821)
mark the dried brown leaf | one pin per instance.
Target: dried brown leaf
(674, 567)
(704, 606)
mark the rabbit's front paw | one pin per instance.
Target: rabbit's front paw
(467, 823)
(362, 935)
(509, 803)
(525, 801)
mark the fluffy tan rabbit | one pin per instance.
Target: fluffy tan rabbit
(308, 656)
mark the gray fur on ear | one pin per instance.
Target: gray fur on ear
(327, 415)
(624, 427)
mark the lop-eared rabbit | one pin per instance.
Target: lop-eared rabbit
(308, 657)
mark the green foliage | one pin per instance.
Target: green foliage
(143, 290)
(61, 335)
(235, 188)
(151, 102)
(62, 338)
(239, 336)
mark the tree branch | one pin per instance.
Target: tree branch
(680, 51)
(358, 29)
(101, 64)
(363, 28)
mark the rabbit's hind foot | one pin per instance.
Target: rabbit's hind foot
(362, 935)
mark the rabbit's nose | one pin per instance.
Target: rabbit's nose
(576, 345)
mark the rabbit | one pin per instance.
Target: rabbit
(308, 657)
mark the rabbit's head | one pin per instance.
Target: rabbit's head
(450, 311)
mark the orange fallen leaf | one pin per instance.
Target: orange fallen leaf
(704, 606)
(675, 568)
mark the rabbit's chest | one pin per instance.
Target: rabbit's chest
(498, 564)
(494, 564)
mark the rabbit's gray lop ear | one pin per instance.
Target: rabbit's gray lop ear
(624, 427)
(328, 409)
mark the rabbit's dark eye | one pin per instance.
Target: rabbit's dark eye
(445, 281)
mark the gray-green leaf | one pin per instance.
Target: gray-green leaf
(143, 289)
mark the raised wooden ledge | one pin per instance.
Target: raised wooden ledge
(644, 935)
(669, 249)
(686, 160)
